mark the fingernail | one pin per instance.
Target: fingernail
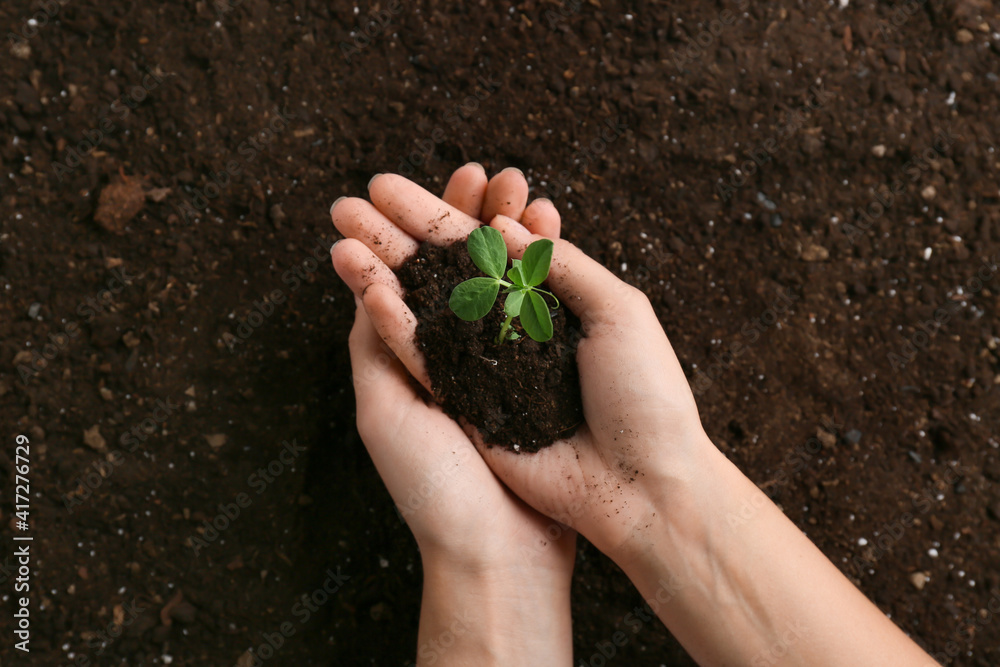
(545, 199)
(334, 205)
(335, 244)
(514, 169)
(476, 164)
(373, 180)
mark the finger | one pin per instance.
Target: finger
(379, 378)
(397, 326)
(356, 218)
(590, 290)
(542, 218)
(419, 213)
(360, 268)
(506, 194)
(466, 189)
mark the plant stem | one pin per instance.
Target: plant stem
(502, 336)
(554, 298)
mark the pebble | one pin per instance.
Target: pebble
(119, 202)
(919, 580)
(277, 215)
(33, 310)
(776, 220)
(929, 193)
(815, 253)
(20, 50)
(828, 439)
(766, 203)
(878, 150)
(963, 36)
(216, 440)
(853, 436)
(92, 438)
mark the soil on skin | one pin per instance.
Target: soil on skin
(627, 115)
(522, 394)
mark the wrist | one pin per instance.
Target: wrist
(688, 563)
(476, 615)
(511, 580)
(723, 556)
(677, 496)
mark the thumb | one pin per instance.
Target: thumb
(592, 292)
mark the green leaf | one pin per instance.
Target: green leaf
(535, 262)
(488, 251)
(535, 317)
(472, 299)
(512, 306)
(514, 275)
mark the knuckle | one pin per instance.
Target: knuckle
(633, 299)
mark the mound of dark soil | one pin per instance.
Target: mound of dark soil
(521, 394)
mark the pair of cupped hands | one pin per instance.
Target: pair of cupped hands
(481, 509)
(719, 563)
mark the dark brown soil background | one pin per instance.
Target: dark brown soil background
(521, 394)
(810, 404)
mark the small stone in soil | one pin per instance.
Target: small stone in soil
(92, 438)
(814, 253)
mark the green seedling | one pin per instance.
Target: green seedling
(473, 299)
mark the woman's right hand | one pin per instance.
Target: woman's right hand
(641, 432)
